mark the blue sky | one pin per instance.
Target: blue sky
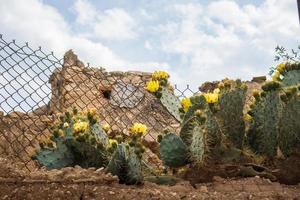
(194, 40)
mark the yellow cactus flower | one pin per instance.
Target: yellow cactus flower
(106, 127)
(211, 97)
(80, 127)
(152, 86)
(216, 91)
(158, 75)
(186, 104)
(112, 142)
(138, 128)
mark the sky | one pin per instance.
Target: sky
(194, 40)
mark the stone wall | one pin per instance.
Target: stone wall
(119, 97)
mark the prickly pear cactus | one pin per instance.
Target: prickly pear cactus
(198, 103)
(99, 134)
(213, 128)
(266, 113)
(291, 74)
(186, 131)
(190, 120)
(289, 138)
(173, 151)
(134, 173)
(199, 146)
(126, 165)
(87, 154)
(170, 102)
(55, 157)
(78, 140)
(118, 162)
(230, 113)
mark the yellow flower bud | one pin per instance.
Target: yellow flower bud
(112, 142)
(80, 127)
(66, 125)
(106, 127)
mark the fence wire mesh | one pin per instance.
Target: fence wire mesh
(35, 87)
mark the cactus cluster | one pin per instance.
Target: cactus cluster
(213, 128)
(214, 120)
(275, 128)
(79, 139)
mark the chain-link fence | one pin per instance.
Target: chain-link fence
(36, 86)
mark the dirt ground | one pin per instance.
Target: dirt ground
(78, 183)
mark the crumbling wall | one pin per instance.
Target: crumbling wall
(119, 97)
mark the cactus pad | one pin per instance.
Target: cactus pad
(173, 151)
(55, 158)
(170, 102)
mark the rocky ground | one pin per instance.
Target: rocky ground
(78, 183)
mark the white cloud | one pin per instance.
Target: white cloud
(148, 45)
(224, 38)
(110, 24)
(42, 25)
(86, 12)
(115, 24)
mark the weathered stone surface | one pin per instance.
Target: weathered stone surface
(259, 79)
(125, 95)
(43, 110)
(208, 86)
